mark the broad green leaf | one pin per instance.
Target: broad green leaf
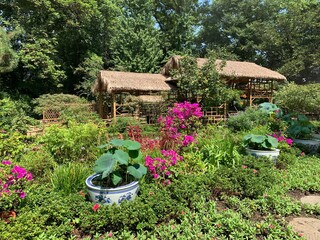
(137, 170)
(257, 138)
(273, 142)
(121, 157)
(117, 142)
(247, 137)
(131, 145)
(116, 178)
(104, 164)
(134, 154)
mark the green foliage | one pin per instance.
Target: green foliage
(260, 142)
(72, 144)
(203, 82)
(223, 152)
(39, 63)
(8, 57)
(55, 102)
(120, 126)
(44, 211)
(270, 108)
(120, 163)
(250, 180)
(38, 161)
(136, 45)
(69, 178)
(247, 120)
(299, 127)
(299, 98)
(12, 145)
(88, 71)
(230, 25)
(13, 117)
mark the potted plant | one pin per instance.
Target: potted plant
(301, 131)
(261, 145)
(117, 172)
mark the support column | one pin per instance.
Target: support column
(114, 107)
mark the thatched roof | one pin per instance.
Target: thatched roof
(115, 82)
(230, 69)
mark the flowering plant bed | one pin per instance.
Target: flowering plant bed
(13, 180)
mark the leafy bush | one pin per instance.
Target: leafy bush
(247, 120)
(299, 98)
(12, 144)
(55, 101)
(120, 126)
(75, 143)
(251, 179)
(70, 178)
(13, 117)
(38, 161)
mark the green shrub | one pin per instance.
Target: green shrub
(38, 161)
(75, 143)
(120, 126)
(299, 98)
(13, 117)
(247, 120)
(12, 144)
(70, 178)
(251, 179)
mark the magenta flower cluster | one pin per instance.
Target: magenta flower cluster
(161, 167)
(12, 184)
(178, 126)
(281, 138)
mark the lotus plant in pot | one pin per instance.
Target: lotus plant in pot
(261, 146)
(301, 131)
(117, 172)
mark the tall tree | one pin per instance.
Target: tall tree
(136, 46)
(282, 35)
(64, 32)
(8, 57)
(177, 21)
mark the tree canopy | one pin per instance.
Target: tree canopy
(52, 46)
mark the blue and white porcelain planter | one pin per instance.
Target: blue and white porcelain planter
(116, 195)
(271, 154)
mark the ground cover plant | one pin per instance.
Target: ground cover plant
(203, 186)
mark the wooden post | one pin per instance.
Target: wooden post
(114, 107)
(250, 90)
(271, 96)
(100, 105)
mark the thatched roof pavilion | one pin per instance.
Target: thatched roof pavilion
(114, 82)
(117, 82)
(230, 69)
(256, 81)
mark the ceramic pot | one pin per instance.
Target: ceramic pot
(116, 195)
(271, 154)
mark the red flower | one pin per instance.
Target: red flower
(95, 207)
(244, 166)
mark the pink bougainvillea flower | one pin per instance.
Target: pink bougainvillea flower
(289, 141)
(110, 234)
(255, 171)
(22, 194)
(303, 154)
(19, 171)
(95, 207)
(244, 166)
(6, 162)
(155, 176)
(29, 176)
